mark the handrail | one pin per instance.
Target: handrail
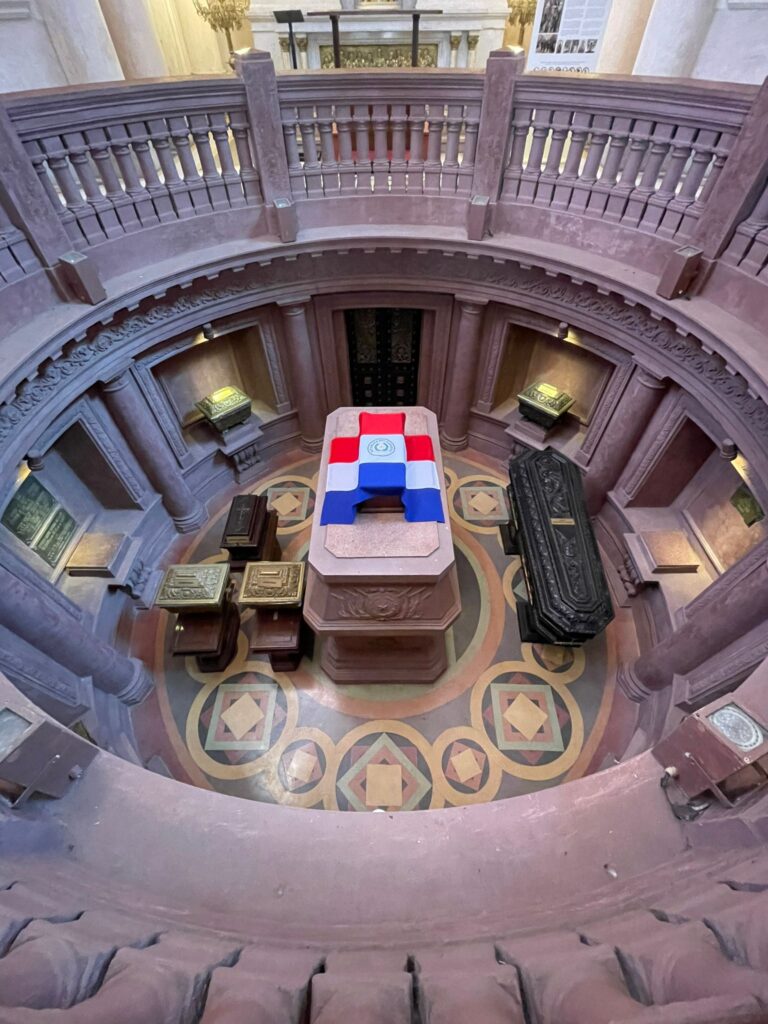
(644, 154)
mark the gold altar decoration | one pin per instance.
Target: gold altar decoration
(197, 588)
(384, 55)
(272, 583)
(222, 15)
(522, 13)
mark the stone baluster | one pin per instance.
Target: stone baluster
(158, 190)
(312, 167)
(380, 150)
(34, 210)
(130, 411)
(451, 166)
(622, 435)
(730, 607)
(80, 158)
(29, 612)
(200, 128)
(248, 173)
(344, 125)
(398, 166)
(330, 166)
(192, 178)
(306, 382)
(104, 160)
(462, 376)
(134, 186)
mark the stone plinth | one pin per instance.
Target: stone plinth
(381, 592)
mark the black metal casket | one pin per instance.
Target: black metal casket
(568, 598)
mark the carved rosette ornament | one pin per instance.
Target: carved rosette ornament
(381, 603)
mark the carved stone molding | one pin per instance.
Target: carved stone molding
(380, 603)
(625, 323)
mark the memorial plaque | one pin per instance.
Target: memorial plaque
(28, 510)
(97, 554)
(272, 583)
(52, 542)
(193, 587)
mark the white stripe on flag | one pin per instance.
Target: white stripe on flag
(342, 476)
(382, 448)
(420, 474)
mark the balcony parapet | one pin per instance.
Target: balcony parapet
(640, 168)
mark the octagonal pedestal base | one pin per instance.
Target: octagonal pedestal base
(384, 659)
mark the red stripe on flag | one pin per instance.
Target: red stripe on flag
(418, 448)
(344, 449)
(382, 422)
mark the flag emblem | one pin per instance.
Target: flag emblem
(382, 460)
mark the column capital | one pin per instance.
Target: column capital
(471, 304)
(295, 305)
(648, 379)
(118, 381)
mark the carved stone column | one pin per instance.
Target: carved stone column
(462, 375)
(29, 613)
(622, 435)
(732, 606)
(306, 383)
(132, 415)
(673, 37)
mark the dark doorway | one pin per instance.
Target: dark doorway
(383, 355)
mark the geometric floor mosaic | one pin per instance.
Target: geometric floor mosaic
(505, 718)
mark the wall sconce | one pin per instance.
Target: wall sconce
(37, 755)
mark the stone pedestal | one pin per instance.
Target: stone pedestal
(381, 592)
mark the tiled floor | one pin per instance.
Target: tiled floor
(504, 719)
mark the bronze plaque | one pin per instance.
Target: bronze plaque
(193, 587)
(272, 583)
(28, 510)
(97, 554)
(52, 542)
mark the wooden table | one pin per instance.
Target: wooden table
(282, 635)
(211, 637)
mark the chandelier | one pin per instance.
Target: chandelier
(521, 12)
(222, 15)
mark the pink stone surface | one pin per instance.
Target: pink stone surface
(381, 577)
(380, 545)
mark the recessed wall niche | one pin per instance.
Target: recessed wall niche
(75, 490)
(531, 356)
(236, 358)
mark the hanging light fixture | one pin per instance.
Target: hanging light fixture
(222, 15)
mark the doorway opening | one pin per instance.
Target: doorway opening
(383, 345)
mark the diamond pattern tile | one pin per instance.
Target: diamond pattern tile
(483, 503)
(241, 716)
(525, 716)
(465, 765)
(285, 503)
(302, 766)
(384, 785)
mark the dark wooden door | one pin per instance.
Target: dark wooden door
(383, 355)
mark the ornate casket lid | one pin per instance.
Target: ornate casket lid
(558, 547)
(193, 587)
(546, 397)
(222, 403)
(271, 584)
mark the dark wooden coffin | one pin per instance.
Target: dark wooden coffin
(568, 597)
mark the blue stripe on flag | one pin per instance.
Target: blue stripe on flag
(423, 505)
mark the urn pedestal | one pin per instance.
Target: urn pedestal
(381, 592)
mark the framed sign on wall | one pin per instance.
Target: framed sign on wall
(567, 35)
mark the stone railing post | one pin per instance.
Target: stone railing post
(501, 73)
(257, 72)
(728, 609)
(30, 210)
(731, 200)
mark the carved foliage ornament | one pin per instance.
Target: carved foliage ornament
(380, 602)
(633, 322)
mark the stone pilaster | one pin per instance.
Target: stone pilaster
(139, 428)
(306, 383)
(462, 375)
(29, 612)
(622, 435)
(673, 37)
(732, 606)
(134, 38)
